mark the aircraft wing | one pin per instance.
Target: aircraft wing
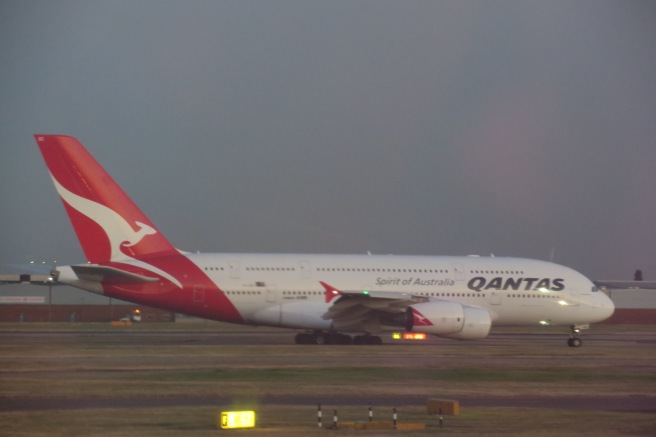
(86, 272)
(621, 285)
(355, 309)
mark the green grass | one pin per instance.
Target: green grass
(294, 421)
(121, 367)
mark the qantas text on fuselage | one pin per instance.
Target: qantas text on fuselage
(479, 283)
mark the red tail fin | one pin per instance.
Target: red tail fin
(108, 224)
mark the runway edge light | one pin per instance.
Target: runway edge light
(409, 336)
(236, 419)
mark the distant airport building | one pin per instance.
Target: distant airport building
(22, 301)
(633, 307)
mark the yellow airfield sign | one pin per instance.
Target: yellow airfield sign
(237, 419)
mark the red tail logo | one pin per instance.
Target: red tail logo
(108, 224)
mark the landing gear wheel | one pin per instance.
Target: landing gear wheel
(343, 339)
(574, 340)
(318, 337)
(303, 338)
(375, 340)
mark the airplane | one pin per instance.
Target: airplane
(329, 299)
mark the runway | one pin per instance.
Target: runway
(613, 371)
(645, 336)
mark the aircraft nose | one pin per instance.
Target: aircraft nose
(606, 308)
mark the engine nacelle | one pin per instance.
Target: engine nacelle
(477, 324)
(437, 318)
(449, 319)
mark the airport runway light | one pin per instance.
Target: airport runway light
(237, 419)
(414, 336)
(409, 336)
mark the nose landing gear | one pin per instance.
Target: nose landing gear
(574, 340)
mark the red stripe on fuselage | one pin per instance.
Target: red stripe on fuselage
(199, 296)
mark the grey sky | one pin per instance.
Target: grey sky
(450, 128)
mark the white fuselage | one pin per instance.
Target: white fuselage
(515, 291)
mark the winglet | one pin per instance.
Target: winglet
(331, 292)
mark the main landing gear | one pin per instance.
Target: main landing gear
(574, 331)
(318, 337)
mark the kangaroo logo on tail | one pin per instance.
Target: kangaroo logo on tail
(119, 232)
(142, 232)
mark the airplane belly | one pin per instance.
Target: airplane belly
(298, 315)
(517, 314)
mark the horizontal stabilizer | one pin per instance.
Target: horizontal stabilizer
(109, 275)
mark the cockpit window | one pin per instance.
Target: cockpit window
(594, 289)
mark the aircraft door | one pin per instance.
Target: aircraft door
(306, 271)
(235, 271)
(458, 272)
(272, 296)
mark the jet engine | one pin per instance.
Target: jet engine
(448, 319)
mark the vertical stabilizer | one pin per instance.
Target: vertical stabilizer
(107, 222)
